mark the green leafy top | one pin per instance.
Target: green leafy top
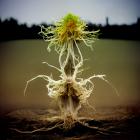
(69, 28)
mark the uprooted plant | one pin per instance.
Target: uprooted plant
(70, 92)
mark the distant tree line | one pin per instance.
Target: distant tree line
(11, 30)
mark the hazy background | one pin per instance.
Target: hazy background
(94, 11)
(22, 60)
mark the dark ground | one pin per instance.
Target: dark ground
(116, 122)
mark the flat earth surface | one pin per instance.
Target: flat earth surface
(112, 123)
(21, 61)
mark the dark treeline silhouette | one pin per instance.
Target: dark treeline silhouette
(127, 32)
(11, 30)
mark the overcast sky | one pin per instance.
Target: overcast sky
(95, 11)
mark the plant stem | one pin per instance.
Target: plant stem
(70, 63)
(70, 103)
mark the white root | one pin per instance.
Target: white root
(43, 76)
(68, 86)
(51, 66)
